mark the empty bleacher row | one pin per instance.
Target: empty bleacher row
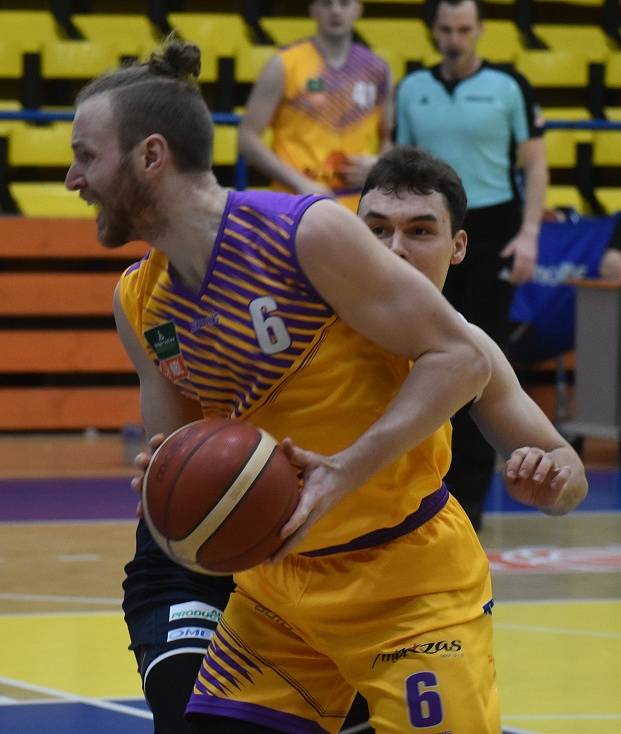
(64, 367)
(46, 57)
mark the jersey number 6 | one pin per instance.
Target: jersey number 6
(425, 705)
(271, 331)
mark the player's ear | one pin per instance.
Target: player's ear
(460, 243)
(153, 153)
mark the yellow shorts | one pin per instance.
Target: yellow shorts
(407, 623)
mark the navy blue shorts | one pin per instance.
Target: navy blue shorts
(172, 629)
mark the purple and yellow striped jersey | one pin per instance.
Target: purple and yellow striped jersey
(258, 342)
(327, 113)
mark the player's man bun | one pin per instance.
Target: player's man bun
(176, 58)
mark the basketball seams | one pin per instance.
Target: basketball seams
(189, 546)
(279, 523)
(170, 489)
(228, 487)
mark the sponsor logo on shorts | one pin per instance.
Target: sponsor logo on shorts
(196, 633)
(442, 648)
(194, 610)
(272, 616)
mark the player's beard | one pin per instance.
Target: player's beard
(124, 216)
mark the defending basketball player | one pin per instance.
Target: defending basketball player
(414, 203)
(283, 310)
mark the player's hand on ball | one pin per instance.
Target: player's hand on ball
(325, 482)
(141, 462)
(533, 478)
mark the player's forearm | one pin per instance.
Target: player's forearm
(439, 384)
(259, 156)
(164, 409)
(534, 197)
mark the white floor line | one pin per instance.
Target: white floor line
(74, 698)
(565, 717)
(59, 598)
(568, 600)
(558, 631)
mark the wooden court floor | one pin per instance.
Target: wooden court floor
(67, 527)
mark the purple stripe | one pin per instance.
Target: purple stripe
(225, 643)
(218, 669)
(100, 498)
(237, 367)
(219, 653)
(430, 506)
(253, 713)
(211, 679)
(235, 264)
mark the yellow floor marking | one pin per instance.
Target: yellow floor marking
(85, 654)
(559, 666)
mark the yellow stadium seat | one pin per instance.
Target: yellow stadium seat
(220, 33)
(29, 29)
(7, 126)
(607, 148)
(409, 36)
(395, 60)
(553, 68)
(225, 145)
(609, 198)
(561, 146)
(566, 113)
(565, 196)
(77, 59)
(590, 41)
(288, 30)
(501, 41)
(250, 60)
(49, 199)
(10, 60)
(613, 113)
(130, 34)
(32, 145)
(612, 72)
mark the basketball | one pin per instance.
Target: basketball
(217, 493)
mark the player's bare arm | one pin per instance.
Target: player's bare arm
(523, 247)
(262, 104)
(541, 469)
(163, 408)
(401, 311)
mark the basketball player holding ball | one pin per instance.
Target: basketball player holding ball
(283, 311)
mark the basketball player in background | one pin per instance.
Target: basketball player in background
(329, 104)
(283, 310)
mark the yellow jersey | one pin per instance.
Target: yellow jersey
(328, 113)
(257, 342)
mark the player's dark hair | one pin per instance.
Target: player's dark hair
(431, 10)
(161, 95)
(405, 168)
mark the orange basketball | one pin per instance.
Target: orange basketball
(217, 493)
